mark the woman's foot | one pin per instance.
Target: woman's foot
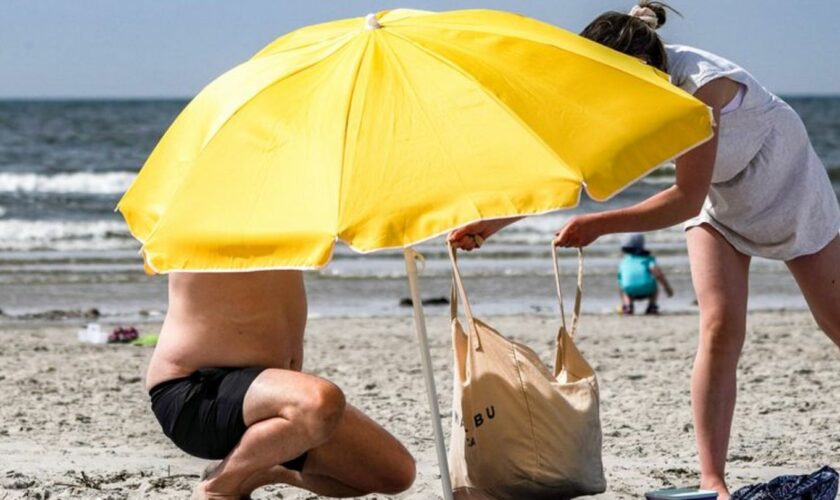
(627, 309)
(716, 485)
(652, 309)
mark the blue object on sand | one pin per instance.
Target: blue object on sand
(681, 494)
(821, 485)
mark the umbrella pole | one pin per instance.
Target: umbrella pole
(428, 372)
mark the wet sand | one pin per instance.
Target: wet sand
(77, 424)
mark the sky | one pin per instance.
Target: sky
(172, 48)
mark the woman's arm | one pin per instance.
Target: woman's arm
(473, 235)
(676, 204)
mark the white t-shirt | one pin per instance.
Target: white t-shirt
(770, 194)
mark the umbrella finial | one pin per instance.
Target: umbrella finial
(371, 23)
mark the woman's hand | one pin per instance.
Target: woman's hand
(580, 231)
(472, 236)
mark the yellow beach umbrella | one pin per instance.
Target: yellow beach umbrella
(387, 130)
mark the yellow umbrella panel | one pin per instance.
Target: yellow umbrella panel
(386, 131)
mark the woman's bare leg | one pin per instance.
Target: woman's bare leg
(818, 276)
(720, 277)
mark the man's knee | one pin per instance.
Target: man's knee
(400, 477)
(321, 411)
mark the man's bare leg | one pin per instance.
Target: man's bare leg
(288, 413)
(360, 458)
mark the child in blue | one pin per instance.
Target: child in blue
(638, 275)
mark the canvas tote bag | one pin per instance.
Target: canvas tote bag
(520, 430)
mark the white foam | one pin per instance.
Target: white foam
(19, 235)
(79, 182)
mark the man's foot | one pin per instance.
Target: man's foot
(210, 470)
(652, 309)
(627, 309)
(200, 492)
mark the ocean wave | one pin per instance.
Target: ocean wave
(2, 211)
(102, 183)
(17, 235)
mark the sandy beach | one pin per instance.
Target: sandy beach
(77, 422)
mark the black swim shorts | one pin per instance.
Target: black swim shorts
(202, 413)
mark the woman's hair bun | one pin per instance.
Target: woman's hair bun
(660, 9)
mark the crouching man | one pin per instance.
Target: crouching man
(226, 384)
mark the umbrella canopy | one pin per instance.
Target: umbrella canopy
(388, 130)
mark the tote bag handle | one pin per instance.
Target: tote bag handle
(578, 292)
(458, 283)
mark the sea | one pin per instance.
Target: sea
(66, 255)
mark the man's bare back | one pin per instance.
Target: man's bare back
(230, 320)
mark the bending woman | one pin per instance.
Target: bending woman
(756, 189)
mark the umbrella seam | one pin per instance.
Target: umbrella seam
(458, 69)
(201, 151)
(343, 165)
(667, 85)
(324, 41)
(557, 47)
(268, 87)
(245, 102)
(440, 142)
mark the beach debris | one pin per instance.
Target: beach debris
(123, 335)
(18, 481)
(59, 314)
(128, 380)
(147, 340)
(87, 481)
(93, 334)
(433, 301)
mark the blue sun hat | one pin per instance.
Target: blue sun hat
(634, 244)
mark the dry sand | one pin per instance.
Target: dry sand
(77, 424)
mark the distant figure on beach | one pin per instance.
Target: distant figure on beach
(757, 188)
(226, 384)
(639, 276)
